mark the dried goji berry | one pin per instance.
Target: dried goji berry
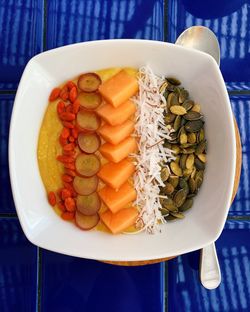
(68, 124)
(68, 215)
(70, 172)
(69, 147)
(75, 106)
(52, 198)
(67, 116)
(70, 204)
(60, 107)
(65, 133)
(73, 94)
(71, 84)
(61, 206)
(54, 94)
(74, 133)
(67, 178)
(65, 193)
(65, 159)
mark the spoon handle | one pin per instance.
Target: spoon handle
(209, 267)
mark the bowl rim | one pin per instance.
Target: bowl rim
(11, 142)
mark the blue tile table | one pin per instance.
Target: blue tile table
(33, 279)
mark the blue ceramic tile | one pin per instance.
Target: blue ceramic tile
(185, 293)
(18, 269)
(230, 21)
(83, 20)
(6, 200)
(76, 285)
(241, 109)
(21, 33)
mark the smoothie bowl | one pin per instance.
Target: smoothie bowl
(122, 150)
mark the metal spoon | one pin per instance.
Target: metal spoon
(203, 39)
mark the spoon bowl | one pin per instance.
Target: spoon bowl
(200, 38)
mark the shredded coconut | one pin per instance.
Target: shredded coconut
(151, 130)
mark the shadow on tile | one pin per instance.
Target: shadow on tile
(73, 284)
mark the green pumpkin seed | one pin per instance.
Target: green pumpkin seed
(192, 116)
(165, 94)
(173, 81)
(169, 218)
(201, 147)
(169, 118)
(184, 185)
(180, 197)
(187, 172)
(170, 87)
(196, 108)
(168, 189)
(175, 149)
(183, 161)
(187, 145)
(190, 161)
(164, 174)
(199, 164)
(177, 91)
(201, 135)
(193, 172)
(177, 159)
(187, 205)
(163, 86)
(192, 185)
(188, 150)
(173, 136)
(199, 178)
(183, 138)
(194, 125)
(174, 99)
(188, 104)
(191, 137)
(177, 215)
(202, 157)
(164, 212)
(183, 122)
(169, 205)
(177, 123)
(176, 169)
(174, 180)
(191, 195)
(178, 110)
(183, 96)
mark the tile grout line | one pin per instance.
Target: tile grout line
(239, 218)
(7, 92)
(11, 215)
(166, 286)
(44, 25)
(165, 20)
(238, 92)
(39, 274)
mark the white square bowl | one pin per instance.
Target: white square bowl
(199, 74)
